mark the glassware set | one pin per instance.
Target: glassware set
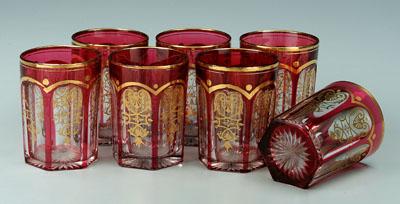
(243, 107)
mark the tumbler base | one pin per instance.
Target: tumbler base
(54, 166)
(233, 167)
(149, 163)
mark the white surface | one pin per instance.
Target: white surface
(359, 42)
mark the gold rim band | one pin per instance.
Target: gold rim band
(311, 47)
(58, 66)
(92, 30)
(171, 66)
(236, 69)
(205, 30)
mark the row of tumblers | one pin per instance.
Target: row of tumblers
(151, 99)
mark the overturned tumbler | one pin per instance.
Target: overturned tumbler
(328, 132)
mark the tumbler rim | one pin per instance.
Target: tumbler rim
(313, 46)
(40, 65)
(149, 67)
(205, 30)
(92, 30)
(215, 67)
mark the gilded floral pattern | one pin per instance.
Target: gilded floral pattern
(136, 113)
(283, 84)
(328, 101)
(67, 104)
(228, 110)
(106, 96)
(172, 112)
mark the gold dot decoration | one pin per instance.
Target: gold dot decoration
(87, 78)
(249, 87)
(358, 98)
(296, 64)
(116, 82)
(209, 83)
(155, 86)
(45, 82)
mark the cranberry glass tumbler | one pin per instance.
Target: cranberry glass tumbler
(107, 40)
(297, 53)
(148, 105)
(59, 92)
(327, 132)
(192, 41)
(236, 99)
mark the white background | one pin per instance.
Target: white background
(359, 42)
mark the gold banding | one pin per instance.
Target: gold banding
(311, 47)
(194, 47)
(47, 89)
(236, 69)
(82, 44)
(170, 66)
(58, 66)
(298, 70)
(249, 95)
(151, 90)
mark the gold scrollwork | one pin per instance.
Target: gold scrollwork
(350, 124)
(248, 95)
(67, 104)
(191, 101)
(106, 98)
(172, 112)
(306, 83)
(228, 110)
(136, 113)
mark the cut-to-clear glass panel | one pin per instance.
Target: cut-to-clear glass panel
(228, 110)
(203, 120)
(68, 116)
(93, 117)
(33, 120)
(172, 111)
(136, 116)
(306, 83)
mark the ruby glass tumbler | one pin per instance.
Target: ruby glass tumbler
(59, 92)
(326, 133)
(297, 54)
(107, 40)
(148, 105)
(192, 41)
(236, 101)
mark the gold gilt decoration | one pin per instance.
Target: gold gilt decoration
(297, 70)
(353, 123)
(136, 113)
(93, 109)
(67, 104)
(154, 91)
(228, 110)
(172, 112)
(33, 110)
(106, 96)
(248, 94)
(262, 112)
(47, 87)
(306, 83)
(191, 101)
(328, 101)
(283, 84)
